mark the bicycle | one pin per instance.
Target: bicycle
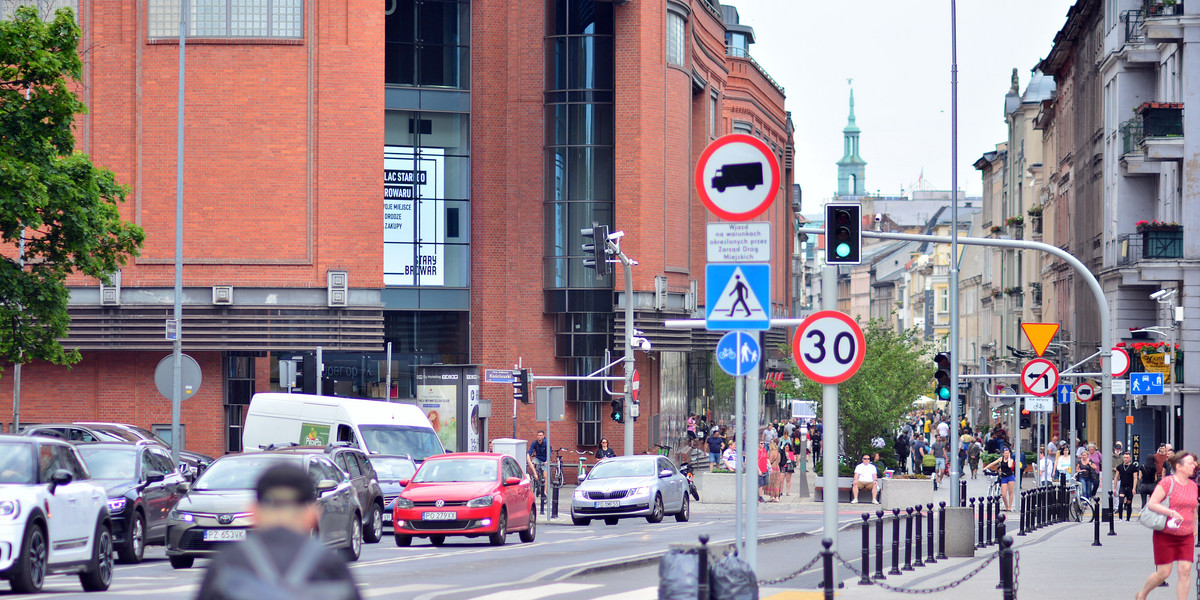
(1076, 503)
(556, 467)
(994, 488)
(538, 479)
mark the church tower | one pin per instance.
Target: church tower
(851, 168)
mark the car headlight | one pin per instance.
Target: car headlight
(642, 491)
(403, 503)
(176, 515)
(116, 505)
(480, 502)
(580, 495)
(10, 508)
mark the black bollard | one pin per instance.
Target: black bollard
(929, 535)
(1006, 568)
(1000, 534)
(827, 566)
(702, 591)
(1096, 519)
(1023, 516)
(1038, 499)
(1112, 516)
(1063, 498)
(962, 493)
(895, 542)
(991, 522)
(979, 544)
(866, 550)
(920, 538)
(908, 539)
(942, 531)
(878, 546)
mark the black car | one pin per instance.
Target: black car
(141, 485)
(115, 432)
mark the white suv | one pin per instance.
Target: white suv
(52, 519)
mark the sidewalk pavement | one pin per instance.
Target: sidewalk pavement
(1052, 562)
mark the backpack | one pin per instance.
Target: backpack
(265, 582)
(928, 460)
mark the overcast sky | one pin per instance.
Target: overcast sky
(898, 54)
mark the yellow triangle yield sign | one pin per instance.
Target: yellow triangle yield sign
(1040, 334)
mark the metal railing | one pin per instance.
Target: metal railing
(1150, 245)
(1132, 135)
(1162, 8)
(1134, 21)
(737, 52)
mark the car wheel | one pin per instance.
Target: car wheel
(580, 521)
(611, 520)
(354, 550)
(182, 562)
(498, 538)
(29, 573)
(685, 511)
(656, 515)
(437, 540)
(134, 548)
(374, 529)
(403, 541)
(530, 532)
(98, 575)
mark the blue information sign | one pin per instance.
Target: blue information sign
(1146, 383)
(738, 352)
(1063, 393)
(736, 296)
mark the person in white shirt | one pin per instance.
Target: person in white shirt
(944, 429)
(1046, 466)
(729, 456)
(865, 477)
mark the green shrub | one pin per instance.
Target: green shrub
(843, 470)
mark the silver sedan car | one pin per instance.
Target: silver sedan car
(631, 486)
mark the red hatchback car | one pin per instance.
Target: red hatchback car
(469, 494)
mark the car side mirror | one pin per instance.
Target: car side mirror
(325, 485)
(512, 481)
(155, 476)
(60, 477)
(663, 474)
(182, 487)
(404, 482)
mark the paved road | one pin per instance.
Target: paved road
(469, 569)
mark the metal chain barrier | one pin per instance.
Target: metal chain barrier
(1016, 572)
(940, 588)
(792, 575)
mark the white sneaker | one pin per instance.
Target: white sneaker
(876, 501)
(854, 500)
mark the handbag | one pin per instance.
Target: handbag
(1154, 520)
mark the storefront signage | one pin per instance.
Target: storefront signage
(414, 216)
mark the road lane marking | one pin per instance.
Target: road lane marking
(541, 591)
(646, 593)
(415, 587)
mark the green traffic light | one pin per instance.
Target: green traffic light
(944, 393)
(843, 250)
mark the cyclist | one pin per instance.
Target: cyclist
(539, 454)
(604, 451)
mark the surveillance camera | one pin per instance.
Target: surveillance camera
(1160, 294)
(641, 342)
(616, 235)
(878, 217)
(638, 332)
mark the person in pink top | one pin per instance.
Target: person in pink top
(1174, 543)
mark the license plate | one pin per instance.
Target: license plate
(608, 504)
(387, 517)
(438, 516)
(224, 535)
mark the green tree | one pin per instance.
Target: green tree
(65, 207)
(896, 370)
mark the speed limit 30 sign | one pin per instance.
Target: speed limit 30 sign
(828, 347)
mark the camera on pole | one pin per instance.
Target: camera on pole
(521, 385)
(942, 375)
(843, 234)
(595, 249)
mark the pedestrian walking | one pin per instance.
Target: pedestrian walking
(764, 471)
(280, 558)
(1088, 476)
(729, 456)
(715, 444)
(1046, 468)
(1008, 476)
(1173, 546)
(691, 426)
(973, 455)
(814, 435)
(1063, 463)
(774, 473)
(789, 467)
(939, 459)
(1128, 473)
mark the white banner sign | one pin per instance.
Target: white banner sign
(1033, 404)
(414, 216)
(739, 242)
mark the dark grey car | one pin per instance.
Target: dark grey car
(355, 465)
(215, 511)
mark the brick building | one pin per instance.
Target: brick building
(505, 127)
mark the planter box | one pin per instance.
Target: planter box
(903, 493)
(716, 488)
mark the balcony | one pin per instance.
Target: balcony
(1161, 21)
(1162, 8)
(739, 52)
(1150, 245)
(1156, 131)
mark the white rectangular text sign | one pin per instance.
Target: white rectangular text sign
(739, 242)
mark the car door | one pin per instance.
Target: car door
(350, 467)
(336, 504)
(161, 496)
(517, 496)
(672, 486)
(76, 519)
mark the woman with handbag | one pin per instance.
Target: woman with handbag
(1171, 513)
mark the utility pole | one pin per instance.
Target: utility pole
(830, 425)
(955, 411)
(177, 345)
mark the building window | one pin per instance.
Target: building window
(743, 127)
(714, 116)
(675, 32)
(428, 43)
(163, 431)
(943, 296)
(229, 19)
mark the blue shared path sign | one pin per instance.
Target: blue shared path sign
(738, 352)
(1146, 383)
(736, 296)
(1064, 393)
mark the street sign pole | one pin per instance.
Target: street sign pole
(955, 414)
(830, 427)
(739, 478)
(753, 396)
(177, 345)
(629, 367)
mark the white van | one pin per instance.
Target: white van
(376, 426)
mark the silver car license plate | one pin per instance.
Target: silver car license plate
(224, 535)
(438, 516)
(608, 504)
(387, 517)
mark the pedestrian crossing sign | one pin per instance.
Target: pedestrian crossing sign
(735, 296)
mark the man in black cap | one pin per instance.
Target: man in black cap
(280, 559)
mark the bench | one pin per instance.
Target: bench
(844, 487)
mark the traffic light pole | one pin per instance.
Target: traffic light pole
(831, 429)
(955, 410)
(628, 264)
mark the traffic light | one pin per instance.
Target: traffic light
(843, 234)
(1026, 422)
(521, 385)
(618, 410)
(942, 376)
(595, 249)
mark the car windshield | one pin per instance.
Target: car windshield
(240, 472)
(417, 442)
(456, 469)
(391, 467)
(16, 463)
(109, 462)
(622, 468)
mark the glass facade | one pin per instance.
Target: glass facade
(428, 43)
